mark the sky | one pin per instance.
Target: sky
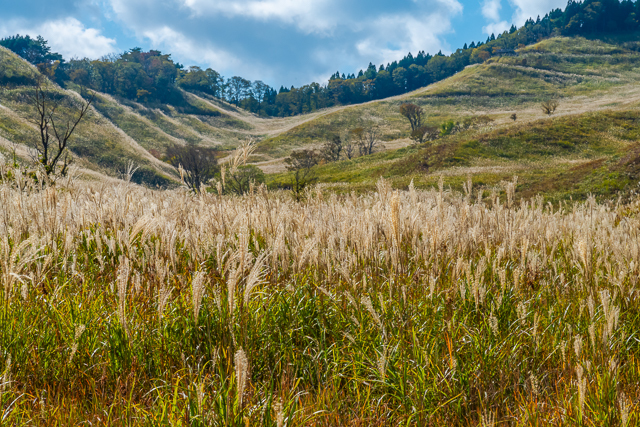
(281, 42)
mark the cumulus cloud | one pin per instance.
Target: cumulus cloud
(308, 16)
(526, 9)
(491, 11)
(496, 27)
(70, 38)
(289, 41)
(392, 37)
(177, 42)
(67, 36)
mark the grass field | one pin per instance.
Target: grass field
(121, 305)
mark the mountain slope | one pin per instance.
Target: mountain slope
(584, 75)
(589, 146)
(587, 76)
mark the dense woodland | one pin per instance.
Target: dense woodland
(153, 77)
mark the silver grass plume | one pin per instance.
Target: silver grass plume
(279, 410)
(242, 373)
(197, 292)
(122, 281)
(256, 276)
(76, 340)
(5, 380)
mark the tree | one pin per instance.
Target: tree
(237, 88)
(368, 139)
(413, 113)
(197, 165)
(549, 107)
(424, 133)
(36, 51)
(349, 147)
(260, 91)
(57, 119)
(301, 163)
(241, 179)
(332, 149)
(514, 117)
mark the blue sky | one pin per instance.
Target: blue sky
(282, 42)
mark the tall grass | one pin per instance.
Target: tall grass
(126, 306)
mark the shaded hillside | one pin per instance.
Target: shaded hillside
(97, 143)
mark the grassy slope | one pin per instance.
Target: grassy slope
(588, 76)
(97, 143)
(116, 131)
(588, 147)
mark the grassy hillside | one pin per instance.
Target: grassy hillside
(97, 144)
(565, 68)
(590, 146)
(573, 153)
(569, 156)
(116, 131)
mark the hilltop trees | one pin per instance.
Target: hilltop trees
(154, 77)
(36, 51)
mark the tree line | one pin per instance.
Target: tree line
(154, 77)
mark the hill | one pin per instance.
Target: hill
(593, 130)
(593, 79)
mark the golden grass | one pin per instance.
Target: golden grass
(123, 305)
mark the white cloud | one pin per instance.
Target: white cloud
(310, 16)
(392, 37)
(288, 41)
(496, 28)
(491, 10)
(526, 9)
(197, 52)
(68, 37)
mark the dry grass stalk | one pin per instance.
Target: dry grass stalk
(197, 292)
(242, 373)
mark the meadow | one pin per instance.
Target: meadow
(122, 305)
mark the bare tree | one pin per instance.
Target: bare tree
(301, 163)
(56, 127)
(549, 107)
(332, 149)
(349, 147)
(197, 165)
(368, 139)
(413, 113)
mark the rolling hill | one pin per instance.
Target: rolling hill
(587, 146)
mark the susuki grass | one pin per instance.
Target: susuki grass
(126, 306)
